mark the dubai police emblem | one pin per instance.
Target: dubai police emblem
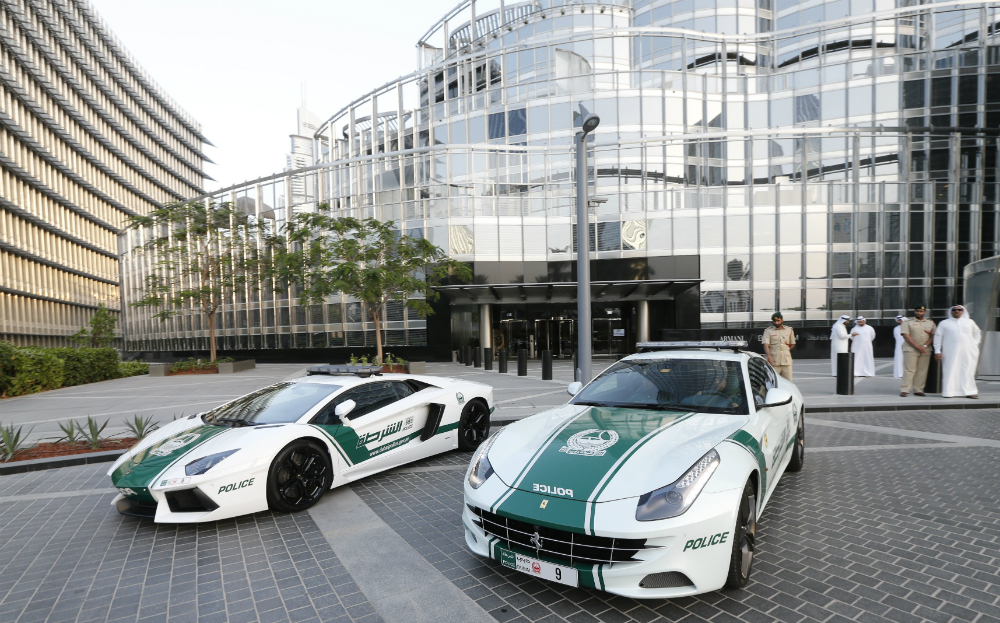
(591, 442)
(175, 444)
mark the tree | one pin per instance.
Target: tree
(101, 332)
(366, 259)
(200, 254)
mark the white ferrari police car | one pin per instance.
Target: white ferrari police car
(649, 482)
(283, 446)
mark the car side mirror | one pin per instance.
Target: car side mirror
(574, 388)
(776, 397)
(344, 408)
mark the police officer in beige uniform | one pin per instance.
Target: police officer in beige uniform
(918, 334)
(779, 340)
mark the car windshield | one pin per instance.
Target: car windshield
(279, 403)
(704, 385)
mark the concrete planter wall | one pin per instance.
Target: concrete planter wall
(418, 367)
(231, 367)
(159, 369)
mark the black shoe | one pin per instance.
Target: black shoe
(919, 394)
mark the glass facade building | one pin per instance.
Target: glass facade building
(815, 157)
(87, 138)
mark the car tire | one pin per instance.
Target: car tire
(744, 539)
(799, 448)
(473, 425)
(299, 476)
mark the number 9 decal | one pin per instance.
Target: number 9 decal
(558, 574)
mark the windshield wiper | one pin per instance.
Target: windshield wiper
(637, 405)
(666, 407)
(235, 421)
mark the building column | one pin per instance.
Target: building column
(642, 321)
(486, 326)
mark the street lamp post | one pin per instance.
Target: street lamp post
(584, 330)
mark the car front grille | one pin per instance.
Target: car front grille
(559, 545)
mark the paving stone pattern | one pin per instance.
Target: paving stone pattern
(862, 535)
(76, 559)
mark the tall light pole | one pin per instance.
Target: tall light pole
(584, 329)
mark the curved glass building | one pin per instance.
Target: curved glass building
(818, 157)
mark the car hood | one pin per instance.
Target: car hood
(177, 444)
(601, 453)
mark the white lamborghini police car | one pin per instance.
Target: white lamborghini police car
(649, 482)
(283, 446)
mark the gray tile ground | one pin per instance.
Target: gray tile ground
(983, 423)
(76, 559)
(869, 535)
(863, 535)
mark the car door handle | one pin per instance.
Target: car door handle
(434, 415)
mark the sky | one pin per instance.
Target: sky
(239, 66)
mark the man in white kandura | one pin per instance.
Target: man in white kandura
(897, 361)
(956, 346)
(862, 337)
(840, 341)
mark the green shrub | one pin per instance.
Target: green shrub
(35, 370)
(189, 365)
(7, 351)
(132, 368)
(87, 365)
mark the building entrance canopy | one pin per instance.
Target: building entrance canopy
(622, 290)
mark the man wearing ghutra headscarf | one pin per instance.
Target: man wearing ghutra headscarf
(840, 341)
(897, 361)
(956, 346)
(862, 337)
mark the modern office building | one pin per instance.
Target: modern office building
(87, 138)
(815, 157)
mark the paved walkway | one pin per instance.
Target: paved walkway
(894, 518)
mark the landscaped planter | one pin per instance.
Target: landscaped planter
(417, 367)
(63, 449)
(231, 367)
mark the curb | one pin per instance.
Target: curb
(846, 409)
(22, 467)
(917, 407)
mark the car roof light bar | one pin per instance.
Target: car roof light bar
(735, 345)
(330, 370)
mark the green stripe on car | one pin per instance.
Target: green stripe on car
(140, 471)
(581, 457)
(746, 441)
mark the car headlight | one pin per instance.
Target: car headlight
(198, 467)
(481, 469)
(676, 498)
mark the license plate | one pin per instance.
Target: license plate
(539, 568)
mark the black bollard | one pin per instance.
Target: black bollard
(503, 361)
(476, 357)
(933, 385)
(845, 374)
(546, 365)
(576, 367)
(468, 355)
(522, 362)
(488, 358)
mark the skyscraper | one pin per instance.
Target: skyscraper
(87, 138)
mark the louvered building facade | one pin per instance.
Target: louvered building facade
(87, 139)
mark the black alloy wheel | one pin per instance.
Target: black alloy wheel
(474, 425)
(744, 538)
(799, 449)
(300, 475)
